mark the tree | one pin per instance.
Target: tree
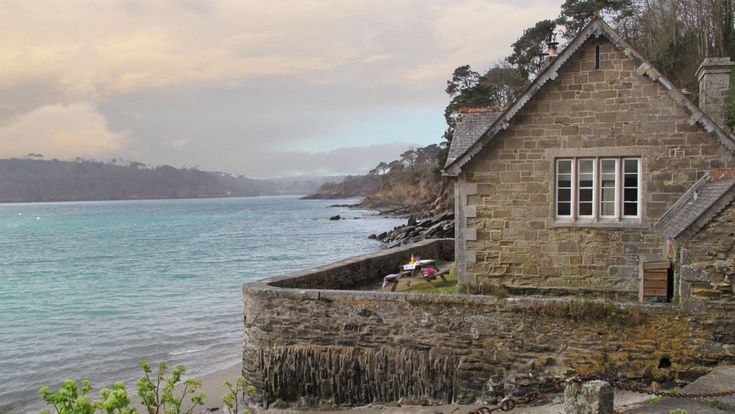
(529, 50)
(380, 169)
(576, 14)
(467, 88)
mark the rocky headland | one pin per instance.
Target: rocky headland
(411, 188)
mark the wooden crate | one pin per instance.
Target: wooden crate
(654, 279)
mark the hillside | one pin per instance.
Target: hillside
(29, 180)
(349, 187)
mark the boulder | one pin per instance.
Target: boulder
(592, 397)
(337, 217)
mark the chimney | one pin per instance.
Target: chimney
(714, 88)
(553, 49)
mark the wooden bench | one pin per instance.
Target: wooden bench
(409, 275)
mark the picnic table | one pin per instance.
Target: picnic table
(414, 270)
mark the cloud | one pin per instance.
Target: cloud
(202, 82)
(59, 131)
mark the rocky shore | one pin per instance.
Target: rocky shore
(437, 227)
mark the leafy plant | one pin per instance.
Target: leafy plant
(237, 393)
(69, 399)
(159, 395)
(678, 411)
(115, 400)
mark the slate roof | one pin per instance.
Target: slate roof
(469, 129)
(597, 27)
(707, 197)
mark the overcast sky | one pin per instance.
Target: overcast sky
(261, 88)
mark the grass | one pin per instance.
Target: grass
(421, 286)
(587, 310)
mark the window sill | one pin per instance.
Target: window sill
(630, 223)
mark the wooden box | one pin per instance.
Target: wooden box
(655, 280)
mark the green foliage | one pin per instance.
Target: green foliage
(711, 403)
(237, 393)
(528, 51)
(497, 88)
(115, 400)
(654, 399)
(69, 399)
(576, 14)
(678, 411)
(587, 310)
(158, 394)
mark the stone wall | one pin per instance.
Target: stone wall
(506, 227)
(707, 270)
(365, 269)
(305, 347)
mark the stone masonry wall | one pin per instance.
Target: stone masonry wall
(365, 269)
(707, 273)
(327, 348)
(508, 232)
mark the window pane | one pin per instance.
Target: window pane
(630, 181)
(585, 181)
(630, 195)
(630, 166)
(564, 194)
(630, 209)
(608, 209)
(565, 181)
(607, 167)
(585, 166)
(564, 209)
(564, 167)
(607, 194)
(585, 209)
(585, 195)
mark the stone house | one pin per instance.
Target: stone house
(563, 189)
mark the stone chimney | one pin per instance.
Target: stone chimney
(714, 88)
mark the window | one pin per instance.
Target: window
(597, 189)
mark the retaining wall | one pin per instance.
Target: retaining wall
(305, 347)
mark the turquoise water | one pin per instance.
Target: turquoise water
(88, 289)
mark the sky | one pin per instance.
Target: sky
(260, 88)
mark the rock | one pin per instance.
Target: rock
(592, 397)
(412, 220)
(372, 237)
(337, 217)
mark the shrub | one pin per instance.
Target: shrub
(165, 400)
(158, 394)
(237, 393)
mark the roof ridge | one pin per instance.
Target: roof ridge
(597, 27)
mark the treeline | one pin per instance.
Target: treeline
(31, 180)
(675, 35)
(391, 183)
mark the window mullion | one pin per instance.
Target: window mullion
(596, 189)
(618, 188)
(574, 189)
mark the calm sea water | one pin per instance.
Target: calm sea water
(89, 289)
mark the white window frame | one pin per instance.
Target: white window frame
(572, 174)
(616, 188)
(638, 188)
(619, 190)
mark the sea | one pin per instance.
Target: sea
(89, 289)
